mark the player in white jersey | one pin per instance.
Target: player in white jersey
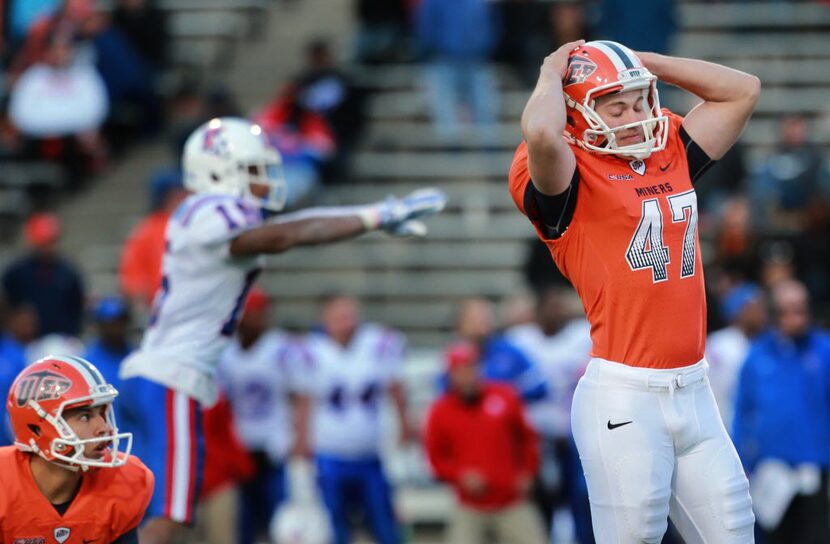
(350, 368)
(726, 349)
(215, 240)
(559, 344)
(262, 389)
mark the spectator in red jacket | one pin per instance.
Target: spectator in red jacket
(304, 139)
(478, 441)
(139, 272)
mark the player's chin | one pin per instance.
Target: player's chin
(259, 190)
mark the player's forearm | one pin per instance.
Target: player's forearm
(711, 82)
(550, 161)
(304, 229)
(301, 407)
(398, 395)
(318, 230)
(543, 119)
(279, 237)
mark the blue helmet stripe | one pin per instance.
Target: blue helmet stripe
(615, 47)
(94, 372)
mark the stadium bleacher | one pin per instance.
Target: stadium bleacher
(400, 152)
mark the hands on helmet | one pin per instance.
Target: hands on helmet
(557, 62)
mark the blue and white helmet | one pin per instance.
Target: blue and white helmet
(228, 154)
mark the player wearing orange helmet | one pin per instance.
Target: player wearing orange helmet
(51, 485)
(606, 176)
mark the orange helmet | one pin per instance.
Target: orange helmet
(599, 68)
(41, 394)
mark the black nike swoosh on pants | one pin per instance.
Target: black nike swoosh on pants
(612, 426)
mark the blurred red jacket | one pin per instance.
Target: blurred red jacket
(140, 269)
(226, 460)
(490, 436)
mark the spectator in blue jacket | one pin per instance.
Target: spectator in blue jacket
(625, 22)
(112, 344)
(46, 280)
(457, 38)
(782, 416)
(500, 359)
(20, 328)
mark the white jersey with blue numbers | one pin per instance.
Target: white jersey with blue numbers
(561, 359)
(347, 386)
(201, 296)
(258, 382)
(726, 351)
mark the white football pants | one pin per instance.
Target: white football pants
(653, 445)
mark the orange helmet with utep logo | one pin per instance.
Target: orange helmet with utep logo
(601, 68)
(41, 394)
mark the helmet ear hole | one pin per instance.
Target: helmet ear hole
(214, 177)
(35, 429)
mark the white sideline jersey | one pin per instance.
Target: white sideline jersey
(561, 359)
(257, 382)
(202, 293)
(726, 351)
(347, 386)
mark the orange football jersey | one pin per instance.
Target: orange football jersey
(109, 503)
(632, 253)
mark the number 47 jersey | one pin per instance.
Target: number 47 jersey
(202, 293)
(631, 251)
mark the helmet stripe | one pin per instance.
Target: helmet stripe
(89, 372)
(96, 374)
(620, 52)
(615, 59)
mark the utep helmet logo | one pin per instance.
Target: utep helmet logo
(579, 69)
(41, 386)
(214, 143)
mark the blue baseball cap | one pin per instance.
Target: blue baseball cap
(737, 298)
(162, 182)
(110, 309)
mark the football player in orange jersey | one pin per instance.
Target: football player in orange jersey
(69, 476)
(607, 178)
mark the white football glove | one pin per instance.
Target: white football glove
(409, 229)
(400, 216)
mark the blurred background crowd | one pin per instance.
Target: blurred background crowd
(369, 97)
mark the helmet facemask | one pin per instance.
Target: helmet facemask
(68, 450)
(267, 172)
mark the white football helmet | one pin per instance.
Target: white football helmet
(228, 154)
